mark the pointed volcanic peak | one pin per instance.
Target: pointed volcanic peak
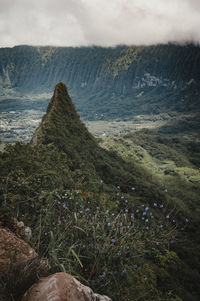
(61, 126)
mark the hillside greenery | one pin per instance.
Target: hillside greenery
(120, 214)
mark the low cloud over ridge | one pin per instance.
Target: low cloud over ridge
(98, 22)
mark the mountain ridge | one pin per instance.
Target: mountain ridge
(103, 214)
(109, 80)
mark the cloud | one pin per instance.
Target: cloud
(99, 22)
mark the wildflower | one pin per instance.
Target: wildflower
(120, 224)
(145, 278)
(64, 205)
(128, 227)
(146, 220)
(165, 190)
(161, 206)
(173, 221)
(108, 224)
(135, 266)
(119, 253)
(144, 213)
(122, 197)
(155, 204)
(152, 216)
(133, 188)
(147, 208)
(124, 271)
(126, 201)
(87, 209)
(103, 275)
(143, 218)
(167, 217)
(112, 240)
(137, 211)
(161, 226)
(142, 205)
(147, 228)
(101, 181)
(118, 187)
(187, 220)
(53, 223)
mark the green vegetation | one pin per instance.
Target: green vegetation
(122, 219)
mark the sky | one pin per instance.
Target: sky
(98, 22)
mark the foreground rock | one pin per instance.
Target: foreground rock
(13, 252)
(61, 287)
(19, 264)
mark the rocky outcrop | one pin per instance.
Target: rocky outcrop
(20, 265)
(61, 287)
(14, 251)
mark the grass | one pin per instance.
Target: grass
(115, 238)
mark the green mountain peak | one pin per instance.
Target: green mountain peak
(61, 101)
(61, 126)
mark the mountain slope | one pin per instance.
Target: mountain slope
(61, 126)
(108, 220)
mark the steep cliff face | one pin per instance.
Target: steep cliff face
(150, 78)
(122, 68)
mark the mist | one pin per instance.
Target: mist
(98, 22)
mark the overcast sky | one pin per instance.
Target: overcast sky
(98, 22)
